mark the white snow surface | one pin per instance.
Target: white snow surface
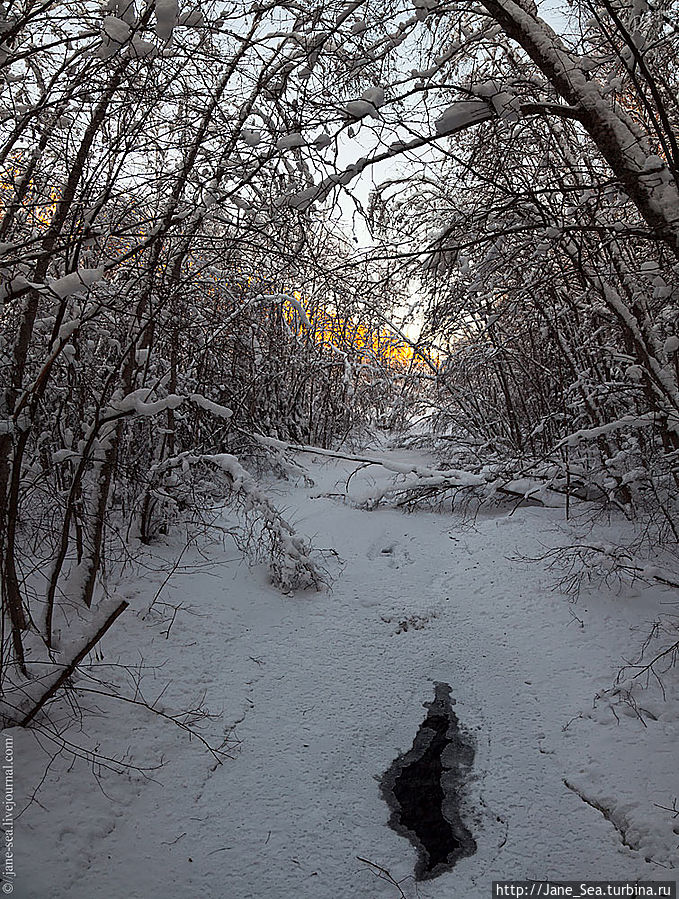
(76, 281)
(323, 690)
(461, 115)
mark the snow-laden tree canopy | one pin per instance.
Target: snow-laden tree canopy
(178, 186)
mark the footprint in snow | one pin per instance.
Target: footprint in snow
(390, 552)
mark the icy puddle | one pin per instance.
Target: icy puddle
(423, 789)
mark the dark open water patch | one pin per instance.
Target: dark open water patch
(423, 789)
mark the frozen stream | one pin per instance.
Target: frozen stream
(325, 690)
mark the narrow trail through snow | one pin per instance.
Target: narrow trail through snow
(324, 690)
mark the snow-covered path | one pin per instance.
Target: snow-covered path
(324, 690)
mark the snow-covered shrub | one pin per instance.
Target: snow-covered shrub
(216, 479)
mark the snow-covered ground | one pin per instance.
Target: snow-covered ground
(319, 692)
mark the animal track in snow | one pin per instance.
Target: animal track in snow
(389, 551)
(412, 622)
